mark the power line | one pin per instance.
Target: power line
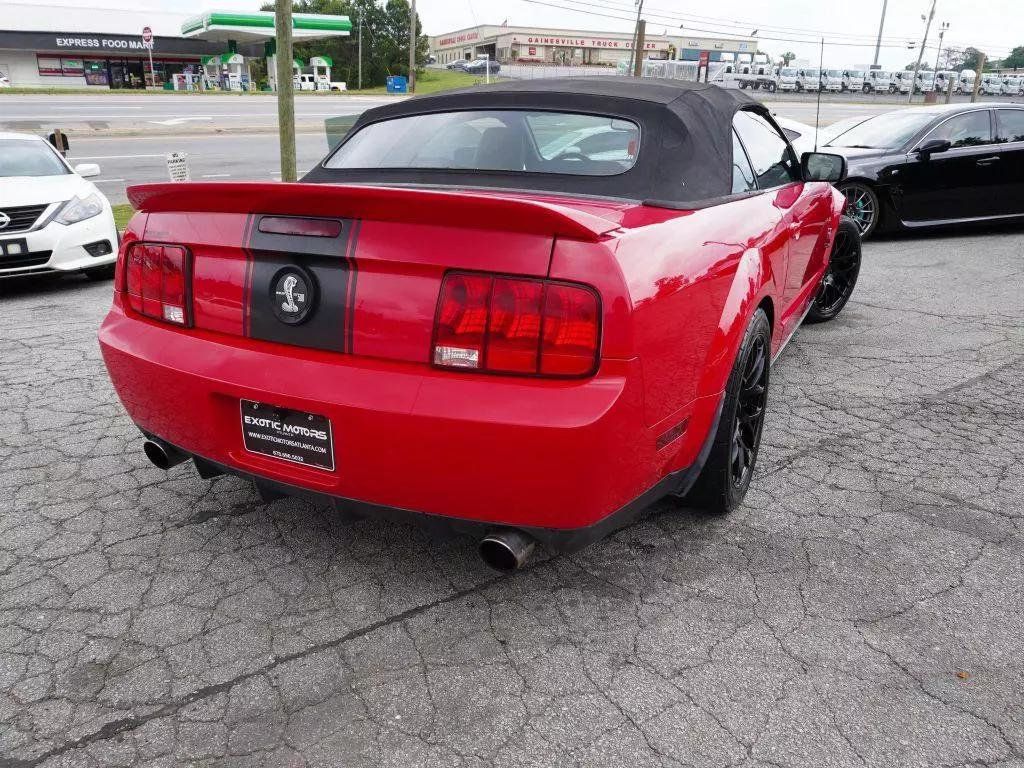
(672, 16)
(779, 33)
(907, 45)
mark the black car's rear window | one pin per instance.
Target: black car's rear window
(495, 140)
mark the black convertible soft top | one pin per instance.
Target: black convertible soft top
(685, 153)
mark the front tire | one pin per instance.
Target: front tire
(840, 278)
(724, 481)
(863, 206)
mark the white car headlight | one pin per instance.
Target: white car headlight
(80, 208)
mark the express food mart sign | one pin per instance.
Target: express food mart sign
(101, 43)
(96, 42)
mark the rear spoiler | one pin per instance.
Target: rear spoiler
(474, 210)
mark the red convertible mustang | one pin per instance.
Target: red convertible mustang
(531, 309)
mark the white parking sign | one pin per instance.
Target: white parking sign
(177, 166)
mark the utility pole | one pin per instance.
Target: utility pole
(360, 10)
(942, 33)
(638, 62)
(285, 87)
(412, 47)
(920, 55)
(636, 30)
(881, 26)
(977, 77)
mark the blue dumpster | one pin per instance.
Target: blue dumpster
(398, 84)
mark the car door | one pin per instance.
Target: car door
(958, 183)
(1009, 189)
(775, 168)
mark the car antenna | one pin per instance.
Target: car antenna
(817, 110)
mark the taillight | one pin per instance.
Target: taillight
(156, 281)
(516, 325)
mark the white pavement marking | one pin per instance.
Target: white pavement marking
(216, 175)
(179, 120)
(106, 181)
(115, 157)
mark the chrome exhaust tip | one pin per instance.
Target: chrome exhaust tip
(506, 550)
(163, 455)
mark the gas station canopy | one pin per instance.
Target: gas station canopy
(258, 26)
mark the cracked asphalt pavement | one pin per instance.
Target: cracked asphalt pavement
(865, 606)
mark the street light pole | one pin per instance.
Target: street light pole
(881, 26)
(360, 9)
(920, 55)
(412, 47)
(942, 32)
(285, 87)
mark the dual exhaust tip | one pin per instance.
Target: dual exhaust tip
(505, 550)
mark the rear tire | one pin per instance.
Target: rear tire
(724, 481)
(840, 279)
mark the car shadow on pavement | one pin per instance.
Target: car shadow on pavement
(951, 230)
(37, 285)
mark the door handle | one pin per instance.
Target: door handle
(988, 160)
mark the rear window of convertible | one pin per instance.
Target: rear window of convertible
(495, 140)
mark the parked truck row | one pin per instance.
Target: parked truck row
(796, 79)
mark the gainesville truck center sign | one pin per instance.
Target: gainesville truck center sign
(589, 42)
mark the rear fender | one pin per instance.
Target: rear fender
(750, 285)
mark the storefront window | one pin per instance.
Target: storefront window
(96, 72)
(49, 66)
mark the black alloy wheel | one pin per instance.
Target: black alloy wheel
(725, 477)
(749, 419)
(840, 278)
(862, 205)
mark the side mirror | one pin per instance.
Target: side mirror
(821, 166)
(933, 146)
(87, 170)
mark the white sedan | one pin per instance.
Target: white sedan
(52, 220)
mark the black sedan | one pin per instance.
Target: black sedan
(929, 166)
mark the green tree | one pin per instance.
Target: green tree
(787, 57)
(1016, 58)
(385, 39)
(953, 58)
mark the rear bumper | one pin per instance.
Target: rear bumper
(564, 460)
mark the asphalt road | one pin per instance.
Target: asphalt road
(862, 608)
(168, 112)
(228, 157)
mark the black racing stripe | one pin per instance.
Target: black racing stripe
(325, 265)
(250, 220)
(353, 273)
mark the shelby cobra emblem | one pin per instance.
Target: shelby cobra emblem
(292, 301)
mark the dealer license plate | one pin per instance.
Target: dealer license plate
(282, 433)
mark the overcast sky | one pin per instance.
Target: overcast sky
(995, 26)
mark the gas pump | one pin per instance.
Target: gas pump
(323, 81)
